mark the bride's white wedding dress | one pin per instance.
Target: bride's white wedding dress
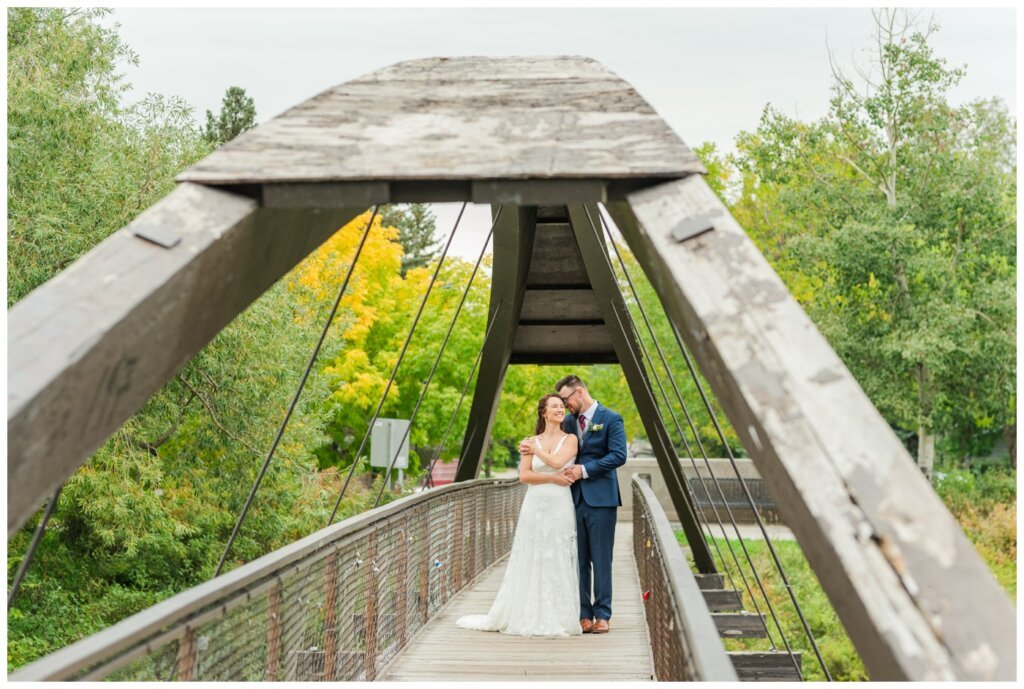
(540, 594)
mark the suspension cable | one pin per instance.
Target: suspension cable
(298, 392)
(26, 561)
(427, 481)
(437, 360)
(698, 513)
(398, 362)
(742, 482)
(702, 523)
(401, 355)
(714, 477)
(693, 430)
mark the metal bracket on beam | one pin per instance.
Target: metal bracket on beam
(692, 227)
(159, 235)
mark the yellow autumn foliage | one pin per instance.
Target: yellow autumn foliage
(373, 288)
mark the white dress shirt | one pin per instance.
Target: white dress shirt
(589, 416)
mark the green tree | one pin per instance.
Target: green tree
(80, 164)
(237, 115)
(892, 220)
(149, 513)
(416, 225)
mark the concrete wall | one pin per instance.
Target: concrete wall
(726, 476)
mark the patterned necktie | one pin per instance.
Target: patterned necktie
(583, 424)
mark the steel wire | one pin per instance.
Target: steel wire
(440, 353)
(295, 398)
(398, 363)
(746, 491)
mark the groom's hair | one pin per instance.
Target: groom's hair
(570, 380)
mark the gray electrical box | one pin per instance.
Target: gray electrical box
(387, 433)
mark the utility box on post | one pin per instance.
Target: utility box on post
(387, 434)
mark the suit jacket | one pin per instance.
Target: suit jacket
(601, 452)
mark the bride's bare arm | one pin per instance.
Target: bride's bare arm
(529, 476)
(561, 458)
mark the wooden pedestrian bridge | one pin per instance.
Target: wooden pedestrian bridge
(577, 168)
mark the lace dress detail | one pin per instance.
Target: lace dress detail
(539, 595)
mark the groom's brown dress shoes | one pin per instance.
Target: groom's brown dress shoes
(600, 627)
(587, 626)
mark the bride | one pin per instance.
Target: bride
(539, 595)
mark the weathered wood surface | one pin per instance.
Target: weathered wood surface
(619, 328)
(562, 339)
(441, 651)
(765, 666)
(555, 260)
(474, 119)
(913, 595)
(740, 625)
(710, 581)
(721, 600)
(89, 347)
(560, 305)
(513, 243)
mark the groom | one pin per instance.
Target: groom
(595, 492)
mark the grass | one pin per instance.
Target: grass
(836, 648)
(985, 505)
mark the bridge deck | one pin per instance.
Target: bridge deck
(442, 651)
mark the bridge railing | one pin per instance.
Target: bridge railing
(336, 605)
(684, 640)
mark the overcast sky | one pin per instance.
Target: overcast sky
(708, 72)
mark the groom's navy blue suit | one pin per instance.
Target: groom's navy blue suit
(597, 499)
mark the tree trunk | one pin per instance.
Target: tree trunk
(925, 436)
(925, 450)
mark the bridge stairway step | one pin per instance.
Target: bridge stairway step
(710, 581)
(723, 600)
(739, 625)
(765, 666)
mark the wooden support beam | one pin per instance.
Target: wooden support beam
(555, 259)
(89, 347)
(624, 338)
(513, 245)
(554, 305)
(564, 358)
(333, 194)
(273, 661)
(186, 659)
(330, 616)
(562, 338)
(915, 598)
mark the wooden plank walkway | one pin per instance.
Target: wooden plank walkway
(442, 651)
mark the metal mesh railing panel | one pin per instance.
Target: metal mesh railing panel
(685, 643)
(340, 612)
(671, 658)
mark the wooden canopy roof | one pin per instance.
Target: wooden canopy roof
(450, 129)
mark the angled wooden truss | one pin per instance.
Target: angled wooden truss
(88, 348)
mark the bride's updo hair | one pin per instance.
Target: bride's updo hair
(541, 407)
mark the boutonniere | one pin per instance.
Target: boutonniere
(596, 427)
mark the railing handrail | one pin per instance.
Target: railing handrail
(694, 623)
(81, 654)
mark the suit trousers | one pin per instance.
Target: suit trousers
(595, 538)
